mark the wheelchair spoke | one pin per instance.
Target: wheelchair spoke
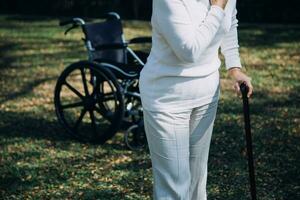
(84, 82)
(72, 105)
(95, 89)
(93, 124)
(105, 113)
(108, 96)
(74, 90)
(79, 120)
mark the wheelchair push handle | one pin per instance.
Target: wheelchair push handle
(76, 22)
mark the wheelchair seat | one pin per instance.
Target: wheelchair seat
(131, 67)
(119, 69)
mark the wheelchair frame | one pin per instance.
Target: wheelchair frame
(125, 116)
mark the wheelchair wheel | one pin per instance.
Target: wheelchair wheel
(89, 102)
(135, 136)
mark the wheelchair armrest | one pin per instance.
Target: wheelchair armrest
(138, 40)
(111, 46)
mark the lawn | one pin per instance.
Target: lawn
(38, 160)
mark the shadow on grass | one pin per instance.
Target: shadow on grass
(27, 125)
(17, 126)
(6, 61)
(25, 90)
(258, 36)
(56, 173)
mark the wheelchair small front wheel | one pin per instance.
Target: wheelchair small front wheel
(135, 137)
(89, 102)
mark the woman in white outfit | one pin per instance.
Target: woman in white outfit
(180, 89)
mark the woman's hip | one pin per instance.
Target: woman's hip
(175, 89)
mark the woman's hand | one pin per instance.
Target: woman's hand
(221, 3)
(239, 78)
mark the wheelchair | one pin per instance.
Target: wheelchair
(97, 97)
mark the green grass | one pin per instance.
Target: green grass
(39, 161)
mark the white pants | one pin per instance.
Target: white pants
(179, 148)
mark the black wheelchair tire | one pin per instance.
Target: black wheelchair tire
(117, 117)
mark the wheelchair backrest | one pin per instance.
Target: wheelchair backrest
(107, 32)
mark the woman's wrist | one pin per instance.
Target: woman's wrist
(233, 70)
(218, 7)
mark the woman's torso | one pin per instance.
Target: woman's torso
(168, 83)
(163, 57)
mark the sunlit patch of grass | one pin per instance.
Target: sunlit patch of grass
(39, 160)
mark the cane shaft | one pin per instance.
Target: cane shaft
(249, 141)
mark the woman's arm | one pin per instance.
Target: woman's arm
(230, 46)
(230, 50)
(186, 39)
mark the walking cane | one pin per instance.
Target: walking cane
(244, 89)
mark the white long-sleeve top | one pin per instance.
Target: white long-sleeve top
(186, 37)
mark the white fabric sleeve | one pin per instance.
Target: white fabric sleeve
(230, 46)
(186, 39)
